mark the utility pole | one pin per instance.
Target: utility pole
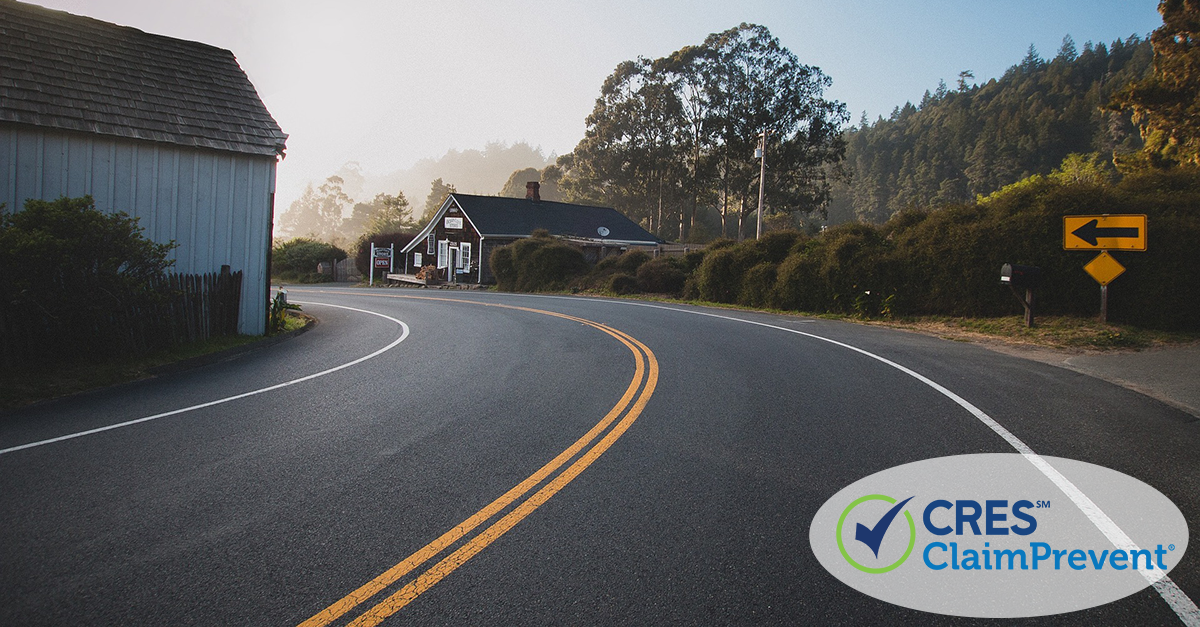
(762, 175)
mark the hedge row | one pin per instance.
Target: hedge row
(941, 262)
(296, 260)
(538, 264)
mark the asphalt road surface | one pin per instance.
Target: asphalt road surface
(497, 459)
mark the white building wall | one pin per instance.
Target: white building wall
(216, 205)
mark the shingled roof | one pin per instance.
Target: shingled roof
(76, 73)
(518, 217)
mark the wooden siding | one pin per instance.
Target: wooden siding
(215, 205)
(467, 234)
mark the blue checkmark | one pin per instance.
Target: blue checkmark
(873, 537)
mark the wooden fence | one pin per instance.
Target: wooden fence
(172, 310)
(669, 250)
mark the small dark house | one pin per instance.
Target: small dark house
(466, 229)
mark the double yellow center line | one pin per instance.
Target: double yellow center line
(627, 410)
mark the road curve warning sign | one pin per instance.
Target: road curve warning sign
(1104, 232)
(1104, 268)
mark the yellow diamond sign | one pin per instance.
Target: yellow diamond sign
(1104, 268)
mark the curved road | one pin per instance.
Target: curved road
(433, 457)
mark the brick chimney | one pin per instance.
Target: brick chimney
(532, 191)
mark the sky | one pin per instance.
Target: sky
(386, 83)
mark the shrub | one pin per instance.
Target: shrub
(537, 264)
(797, 285)
(661, 276)
(775, 245)
(947, 261)
(69, 275)
(719, 277)
(758, 286)
(692, 260)
(503, 268)
(627, 262)
(297, 259)
(621, 283)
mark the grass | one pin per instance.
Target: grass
(1060, 332)
(28, 386)
(1063, 332)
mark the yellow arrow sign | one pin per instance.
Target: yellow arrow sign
(1104, 268)
(1104, 232)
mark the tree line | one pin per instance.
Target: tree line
(320, 214)
(962, 143)
(671, 142)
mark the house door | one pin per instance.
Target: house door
(452, 258)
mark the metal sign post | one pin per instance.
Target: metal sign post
(371, 281)
(1104, 269)
(1104, 233)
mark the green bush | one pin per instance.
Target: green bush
(537, 264)
(621, 283)
(661, 276)
(692, 260)
(501, 262)
(758, 286)
(947, 261)
(627, 262)
(849, 269)
(69, 275)
(719, 277)
(775, 245)
(297, 259)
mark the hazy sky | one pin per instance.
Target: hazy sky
(386, 83)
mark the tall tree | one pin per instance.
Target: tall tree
(685, 70)
(548, 178)
(551, 176)
(627, 157)
(757, 86)
(437, 195)
(384, 214)
(514, 187)
(317, 214)
(669, 134)
(1167, 104)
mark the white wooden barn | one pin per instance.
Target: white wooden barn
(166, 130)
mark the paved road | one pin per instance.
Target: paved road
(716, 441)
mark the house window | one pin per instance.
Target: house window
(443, 254)
(464, 255)
(417, 260)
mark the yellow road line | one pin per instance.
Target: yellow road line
(439, 571)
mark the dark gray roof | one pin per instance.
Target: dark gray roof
(494, 216)
(76, 73)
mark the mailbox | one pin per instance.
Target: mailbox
(1020, 276)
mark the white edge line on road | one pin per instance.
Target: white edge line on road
(396, 342)
(1175, 597)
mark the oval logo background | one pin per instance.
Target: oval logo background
(991, 536)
